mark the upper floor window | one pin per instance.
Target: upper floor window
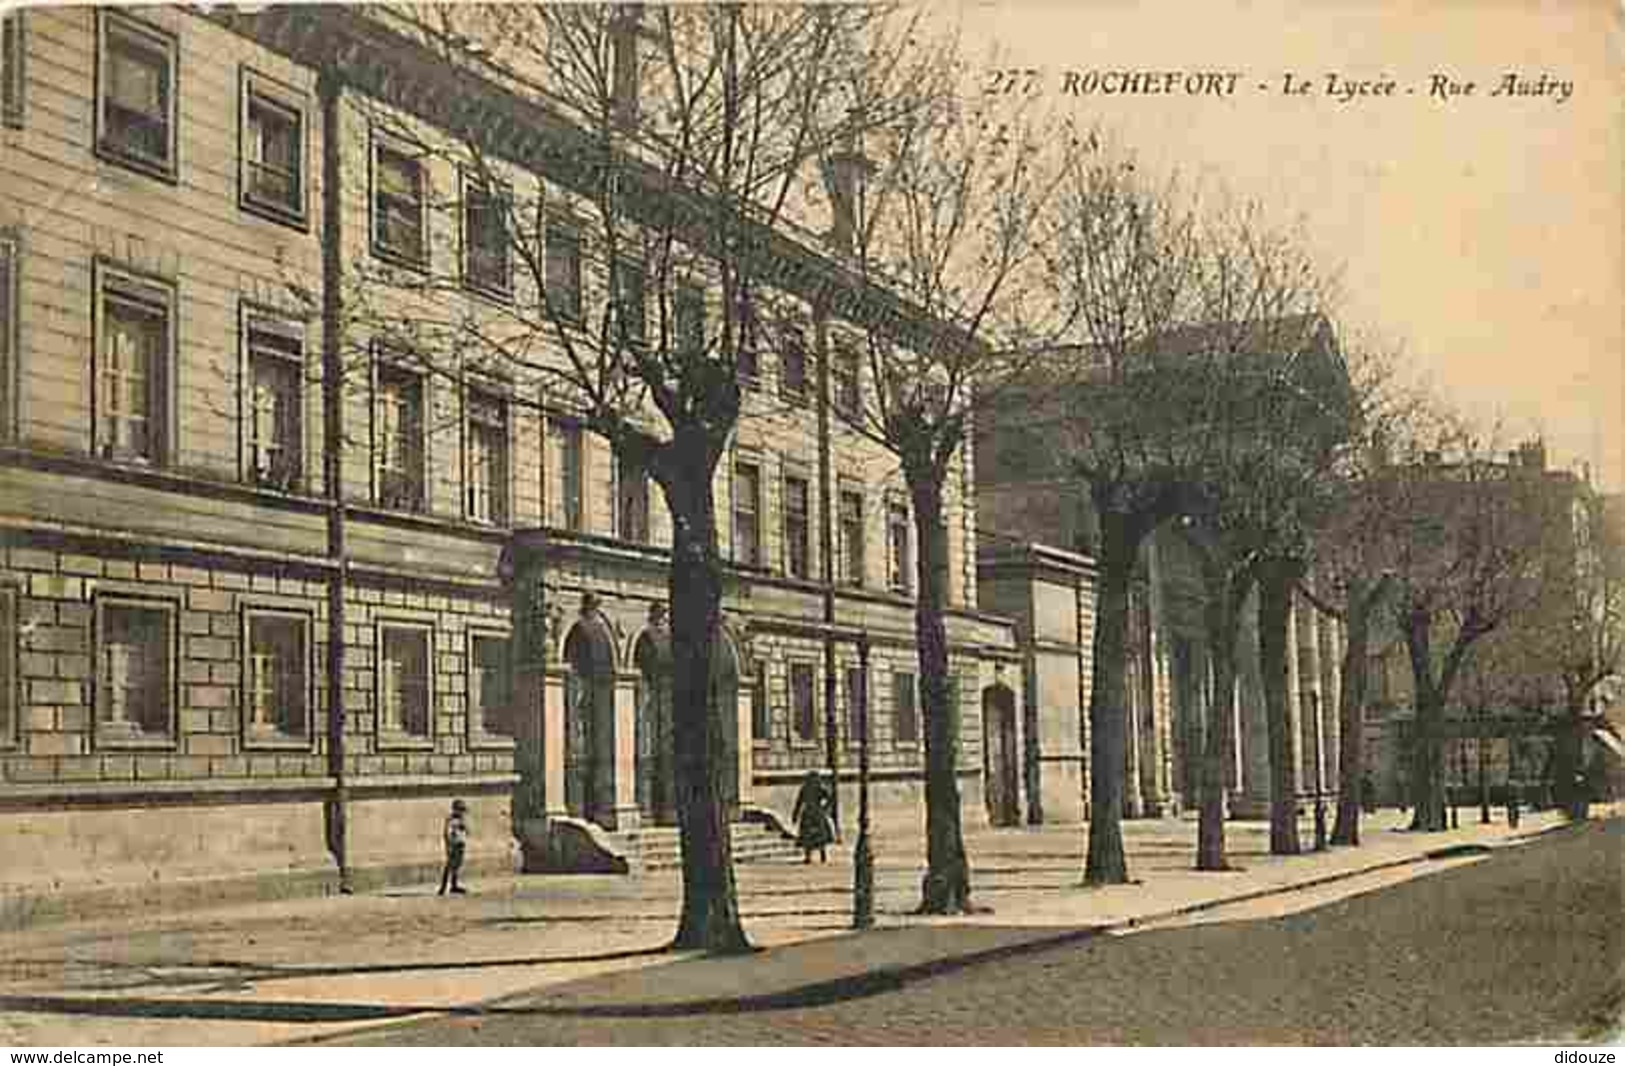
(803, 701)
(747, 514)
(133, 356)
(851, 518)
(12, 51)
(572, 475)
(404, 681)
(490, 702)
(8, 666)
(631, 301)
(845, 370)
(855, 697)
(277, 681)
(688, 317)
(135, 105)
(900, 559)
(797, 528)
(486, 260)
(275, 402)
(623, 43)
(135, 643)
(793, 368)
(398, 197)
(563, 271)
(631, 501)
(8, 333)
(273, 177)
(747, 359)
(487, 478)
(397, 438)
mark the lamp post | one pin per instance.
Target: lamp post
(863, 869)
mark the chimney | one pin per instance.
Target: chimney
(845, 173)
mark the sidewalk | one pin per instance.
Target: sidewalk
(300, 969)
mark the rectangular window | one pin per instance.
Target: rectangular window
(273, 142)
(8, 666)
(274, 428)
(846, 370)
(623, 44)
(490, 700)
(12, 50)
(486, 262)
(563, 272)
(688, 317)
(803, 706)
(133, 357)
(397, 206)
(8, 334)
(797, 549)
(750, 333)
(397, 432)
(851, 518)
(761, 718)
(135, 106)
(572, 476)
(403, 681)
(905, 718)
(135, 671)
(631, 301)
(487, 458)
(793, 368)
(276, 683)
(747, 514)
(900, 562)
(631, 501)
(854, 699)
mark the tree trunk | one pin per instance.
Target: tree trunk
(710, 914)
(1427, 760)
(946, 888)
(1221, 612)
(1106, 863)
(1568, 757)
(1351, 798)
(1277, 578)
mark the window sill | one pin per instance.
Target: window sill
(110, 737)
(281, 214)
(271, 739)
(404, 742)
(500, 294)
(482, 741)
(163, 170)
(390, 257)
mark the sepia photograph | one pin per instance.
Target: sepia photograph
(905, 524)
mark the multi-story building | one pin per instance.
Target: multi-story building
(251, 614)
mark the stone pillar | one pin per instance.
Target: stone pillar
(746, 745)
(1313, 700)
(1331, 689)
(625, 756)
(1301, 751)
(553, 741)
(1132, 711)
(1159, 795)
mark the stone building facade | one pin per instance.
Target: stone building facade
(183, 567)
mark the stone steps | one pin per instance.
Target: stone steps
(659, 847)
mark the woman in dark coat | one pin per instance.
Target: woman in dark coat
(814, 830)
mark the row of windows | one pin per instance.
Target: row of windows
(804, 716)
(136, 644)
(797, 530)
(136, 109)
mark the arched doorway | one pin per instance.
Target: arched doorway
(655, 764)
(1000, 755)
(589, 721)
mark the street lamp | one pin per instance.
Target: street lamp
(863, 866)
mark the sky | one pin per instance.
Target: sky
(1480, 235)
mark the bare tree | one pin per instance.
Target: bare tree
(635, 284)
(1466, 527)
(951, 222)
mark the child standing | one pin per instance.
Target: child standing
(456, 843)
